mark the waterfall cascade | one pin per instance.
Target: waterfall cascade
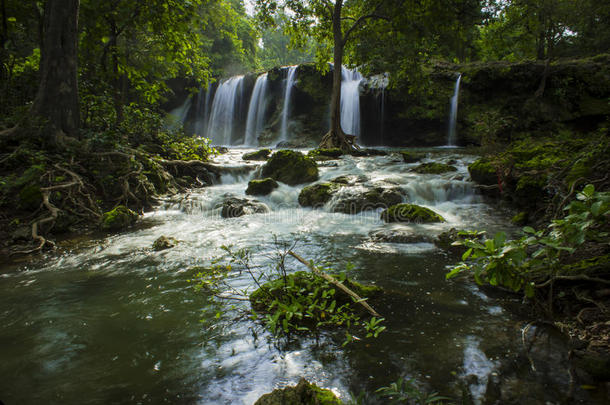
(290, 78)
(453, 113)
(222, 116)
(256, 111)
(350, 101)
(202, 111)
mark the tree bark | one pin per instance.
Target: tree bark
(336, 138)
(57, 101)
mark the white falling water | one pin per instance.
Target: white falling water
(256, 111)
(220, 127)
(350, 101)
(453, 114)
(287, 92)
(203, 111)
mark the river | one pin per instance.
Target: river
(108, 320)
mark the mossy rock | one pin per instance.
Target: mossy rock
(483, 172)
(119, 218)
(261, 154)
(237, 207)
(290, 167)
(317, 195)
(411, 157)
(163, 243)
(410, 213)
(261, 187)
(357, 200)
(303, 393)
(331, 153)
(434, 168)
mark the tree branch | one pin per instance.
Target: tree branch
(359, 21)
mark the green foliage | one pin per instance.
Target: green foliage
(118, 219)
(180, 147)
(406, 391)
(300, 302)
(535, 258)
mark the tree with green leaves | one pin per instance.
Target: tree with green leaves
(331, 24)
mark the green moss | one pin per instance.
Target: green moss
(119, 218)
(520, 219)
(434, 168)
(290, 167)
(410, 213)
(411, 157)
(303, 393)
(261, 154)
(164, 242)
(332, 153)
(30, 197)
(483, 172)
(261, 187)
(317, 195)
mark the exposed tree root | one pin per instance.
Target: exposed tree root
(338, 139)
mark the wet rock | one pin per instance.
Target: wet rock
(317, 195)
(119, 218)
(303, 393)
(164, 242)
(411, 157)
(353, 200)
(445, 240)
(398, 236)
(290, 167)
(349, 179)
(410, 213)
(261, 187)
(434, 168)
(261, 154)
(333, 153)
(237, 207)
(483, 172)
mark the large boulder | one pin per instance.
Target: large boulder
(353, 200)
(434, 168)
(119, 218)
(290, 167)
(237, 207)
(410, 213)
(317, 195)
(261, 187)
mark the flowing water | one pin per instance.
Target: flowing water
(452, 132)
(350, 101)
(290, 78)
(222, 116)
(256, 111)
(109, 320)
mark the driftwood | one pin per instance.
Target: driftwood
(337, 283)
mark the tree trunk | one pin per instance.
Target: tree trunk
(336, 138)
(57, 100)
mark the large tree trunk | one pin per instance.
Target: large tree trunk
(336, 138)
(57, 100)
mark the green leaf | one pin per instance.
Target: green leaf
(529, 229)
(467, 254)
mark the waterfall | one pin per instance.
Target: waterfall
(453, 114)
(222, 116)
(287, 92)
(202, 113)
(350, 101)
(256, 111)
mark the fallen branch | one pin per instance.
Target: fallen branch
(337, 283)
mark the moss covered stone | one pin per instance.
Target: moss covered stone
(30, 197)
(317, 195)
(290, 167)
(330, 153)
(410, 213)
(483, 172)
(411, 157)
(164, 242)
(119, 218)
(303, 393)
(261, 187)
(261, 154)
(434, 168)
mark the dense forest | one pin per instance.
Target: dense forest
(466, 140)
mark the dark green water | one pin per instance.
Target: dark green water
(112, 321)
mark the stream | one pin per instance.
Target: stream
(109, 320)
